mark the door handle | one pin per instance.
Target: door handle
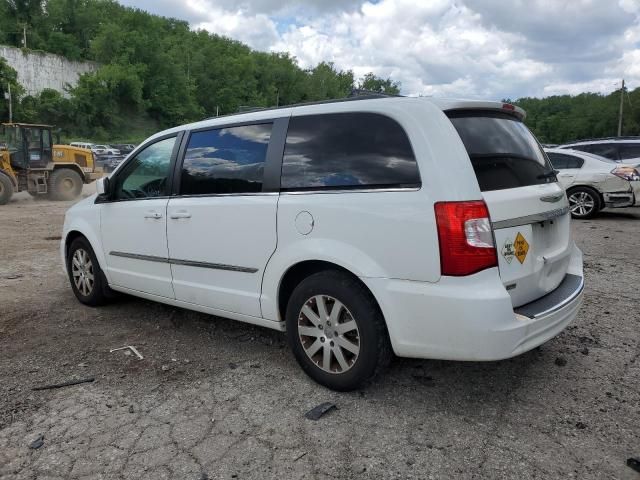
(154, 215)
(180, 214)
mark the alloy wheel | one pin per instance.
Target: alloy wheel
(82, 271)
(329, 334)
(581, 203)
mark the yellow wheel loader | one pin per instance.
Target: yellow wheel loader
(29, 161)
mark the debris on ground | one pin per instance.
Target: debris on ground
(561, 361)
(233, 366)
(37, 443)
(584, 351)
(634, 463)
(12, 277)
(300, 456)
(317, 412)
(130, 348)
(64, 384)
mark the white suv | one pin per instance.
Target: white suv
(428, 228)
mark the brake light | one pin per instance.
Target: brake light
(508, 106)
(466, 238)
(627, 173)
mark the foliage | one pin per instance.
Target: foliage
(156, 72)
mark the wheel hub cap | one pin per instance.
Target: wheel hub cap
(329, 334)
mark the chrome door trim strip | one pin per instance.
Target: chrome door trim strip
(135, 256)
(188, 263)
(215, 266)
(535, 218)
(349, 190)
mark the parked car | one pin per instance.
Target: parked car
(593, 182)
(105, 150)
(124, 148)
(619, 149)
(427, 228)
(88, 146)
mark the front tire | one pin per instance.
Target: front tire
(64, 184)
(87, 279)
(584, 202)
(336, 331)
(6, 189)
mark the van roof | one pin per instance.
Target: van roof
(444, 104)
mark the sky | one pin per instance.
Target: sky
(491, 49)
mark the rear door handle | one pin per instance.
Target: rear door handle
(180, 214)
(154, 215)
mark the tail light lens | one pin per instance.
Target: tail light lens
(627, 173)
(465, 237)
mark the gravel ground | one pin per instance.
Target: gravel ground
(218, 399)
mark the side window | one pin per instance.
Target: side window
(629, 150)
(558, 160)
(563, 162)
(574, 162)
(146, 175)
(225, 160)
(347, 150)
(606, 150)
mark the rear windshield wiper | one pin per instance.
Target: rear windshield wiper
(549, 174)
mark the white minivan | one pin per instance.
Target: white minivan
(421, 227)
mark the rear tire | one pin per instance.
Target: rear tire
(341, 349)
(584, 202)
(64, 184)
(87, 279)
(6, 189)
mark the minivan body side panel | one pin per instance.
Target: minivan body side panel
(371, 234)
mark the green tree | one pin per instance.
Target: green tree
(376, 84)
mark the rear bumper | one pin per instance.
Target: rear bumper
(472, 318)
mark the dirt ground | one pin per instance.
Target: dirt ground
(218, 399)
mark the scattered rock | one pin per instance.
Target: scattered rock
(581, 425)
(584, 351)
(561, 361)
(318, 411)
(233, 366)
(165, 368)
(634, 463)
(37, 443)
(131, 410)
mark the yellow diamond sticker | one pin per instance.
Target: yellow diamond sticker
(521, 247)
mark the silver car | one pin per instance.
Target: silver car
(593, 182)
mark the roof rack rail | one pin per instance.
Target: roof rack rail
(627, 137)
(357, 96)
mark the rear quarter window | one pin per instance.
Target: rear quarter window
(347, 151)
(503, 152)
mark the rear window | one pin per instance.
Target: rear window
(347, 150)
(630, 150)
(503, 152)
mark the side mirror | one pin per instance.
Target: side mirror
(102, 186)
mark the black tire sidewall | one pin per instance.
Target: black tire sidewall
(7, 189)
(96, 297)
(364, 311)
(597, 204)
(56, 178)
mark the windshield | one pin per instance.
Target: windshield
(503, 152)
(10, 138)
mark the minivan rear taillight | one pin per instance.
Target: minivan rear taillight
(466, 237)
